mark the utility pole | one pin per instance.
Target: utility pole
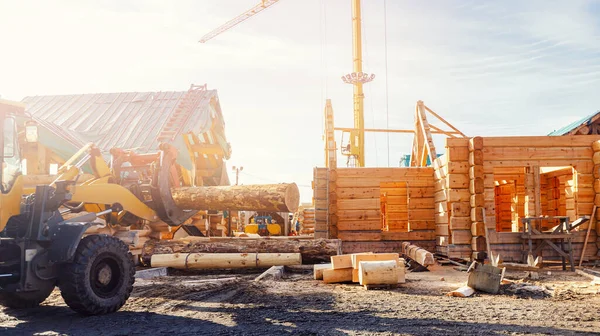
(237, 171)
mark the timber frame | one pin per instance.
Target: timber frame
(480, 187)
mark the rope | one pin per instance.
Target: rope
(387, 111)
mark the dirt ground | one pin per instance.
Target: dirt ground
(561, 304)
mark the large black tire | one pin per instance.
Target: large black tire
(100, 278)
(24, 300)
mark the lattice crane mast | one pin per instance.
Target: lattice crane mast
(264, 4)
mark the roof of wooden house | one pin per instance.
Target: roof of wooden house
(129, 120)
(576, 127)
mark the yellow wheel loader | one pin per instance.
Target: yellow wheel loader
(78, 233)
(40, 249)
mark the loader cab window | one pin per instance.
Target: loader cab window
(11, 163)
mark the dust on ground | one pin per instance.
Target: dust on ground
(233, 304)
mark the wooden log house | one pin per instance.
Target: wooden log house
(479, 182)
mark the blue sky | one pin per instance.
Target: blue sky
(490, 68)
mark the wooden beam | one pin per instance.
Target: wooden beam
(444, 120)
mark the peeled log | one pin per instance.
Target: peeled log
(313, 251)
(224, 260)
(378, 272)
(283, 197)
(418, 254)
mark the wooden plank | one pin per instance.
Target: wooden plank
(440, 196)
(459, 195)
(350, 182)
(457, 181)
(478, 229)
(541, 141)
(455, 154)
(363, 225)
(476, 143)
(461, 237)
(423, 192)
(476, 186)
(442, 230)
(357, 258)
(460, 223)
(422, 225)
(353, 193)
(392, 173)
(358, 214)
(458, 168)
(528, 153)
(421, 214)
(457, 142)
(341, 261)
(337, 275)
(476, 158)
(477, 200)
(461, 209)
(441, 218)
(421, 203)
(413, 235)
(358, 204)
(377, 235)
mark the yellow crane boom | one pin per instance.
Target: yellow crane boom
(356, 144)
(264, 4)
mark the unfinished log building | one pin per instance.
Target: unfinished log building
(442, 207)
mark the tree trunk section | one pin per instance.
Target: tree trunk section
(378, 272)
(313, 251)
(224, 260)
(283, 197)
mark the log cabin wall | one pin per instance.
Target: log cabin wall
(320, 200)
(354, 209)
(453, 217)
(498, 155)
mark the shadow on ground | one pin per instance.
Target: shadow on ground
(248, 310)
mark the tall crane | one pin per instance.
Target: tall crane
(355, 149)
(264, 4)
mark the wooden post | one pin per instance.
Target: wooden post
(332, 198)
(477, 188)
(321, 202)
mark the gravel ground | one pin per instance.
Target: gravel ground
(236, 305)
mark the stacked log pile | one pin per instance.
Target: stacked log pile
(367, 269)
(308, 221)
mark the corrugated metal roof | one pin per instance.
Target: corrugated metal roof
(570, 127)
(127, 120)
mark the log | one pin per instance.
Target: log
(313, 251)
(337, 275)
(283, 197)
(419, 255)
(318, 270)
(341, 261)
(463, 291)
(378, 272)
(224, 260)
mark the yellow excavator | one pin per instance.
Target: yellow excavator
(55, 234)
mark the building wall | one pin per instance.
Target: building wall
(449, 204)
(354, 212)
